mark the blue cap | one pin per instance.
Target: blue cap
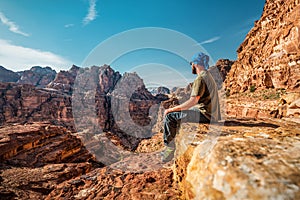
(201, 59)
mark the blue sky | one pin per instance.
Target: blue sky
(59, 33)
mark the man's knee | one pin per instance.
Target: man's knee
(169, 117)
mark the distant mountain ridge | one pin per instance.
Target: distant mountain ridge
(8, 75)
(36, 75)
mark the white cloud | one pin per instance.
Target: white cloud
(92, 13)
(69, 25)
(211, 40)
(19, 58)
(11, 25)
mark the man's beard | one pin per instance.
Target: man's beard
(194, 70)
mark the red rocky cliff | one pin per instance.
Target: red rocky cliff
(26, 103)
(64, 80)
(269, 57)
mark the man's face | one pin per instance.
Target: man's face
(194, 69)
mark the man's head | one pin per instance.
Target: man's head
(199, 59)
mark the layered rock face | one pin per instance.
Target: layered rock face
(96, 91)
(37, 76)
(122, 104)
(40, 143)
(270, 55)
(36, 157)
(25, 103)
(64, 80)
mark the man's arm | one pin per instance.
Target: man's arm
(184, 106)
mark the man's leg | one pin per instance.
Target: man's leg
(172, 125)
(174, 119)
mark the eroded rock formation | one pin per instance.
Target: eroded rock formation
(26, 103)
(114, 184)
(36, 157)
(239, 160)
(122, 104)
(37, 76)
(64, 80)
(83, 99)
(269, 57)
(40, 144)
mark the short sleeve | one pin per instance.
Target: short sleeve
(198, 87)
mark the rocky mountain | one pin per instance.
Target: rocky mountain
(64, 80)
(264, 81)
(37, 76)
(8, 75)
(102, 100)
(269, 57)
(159, 90)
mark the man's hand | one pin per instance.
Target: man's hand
(185, 106)
(168, 111)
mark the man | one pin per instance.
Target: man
(202, 107)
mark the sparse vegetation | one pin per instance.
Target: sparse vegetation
(274, 95)
(261, 94)
(252, 88)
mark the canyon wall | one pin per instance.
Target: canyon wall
(96, 99)
(269, 57)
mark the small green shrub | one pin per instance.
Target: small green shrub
(252, 88)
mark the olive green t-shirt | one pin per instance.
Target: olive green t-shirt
(205, 87)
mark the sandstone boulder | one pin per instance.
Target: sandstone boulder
(239, 160)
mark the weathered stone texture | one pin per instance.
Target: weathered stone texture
(34, 158)
(107, 183)
(269, 57)
(64, 80)
(37, 144)
(25, 103)
(239, 160)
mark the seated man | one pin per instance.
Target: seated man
(203, 105)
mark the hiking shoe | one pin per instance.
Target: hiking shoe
(168, 154)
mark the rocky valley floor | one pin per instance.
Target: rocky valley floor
(237, 159)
